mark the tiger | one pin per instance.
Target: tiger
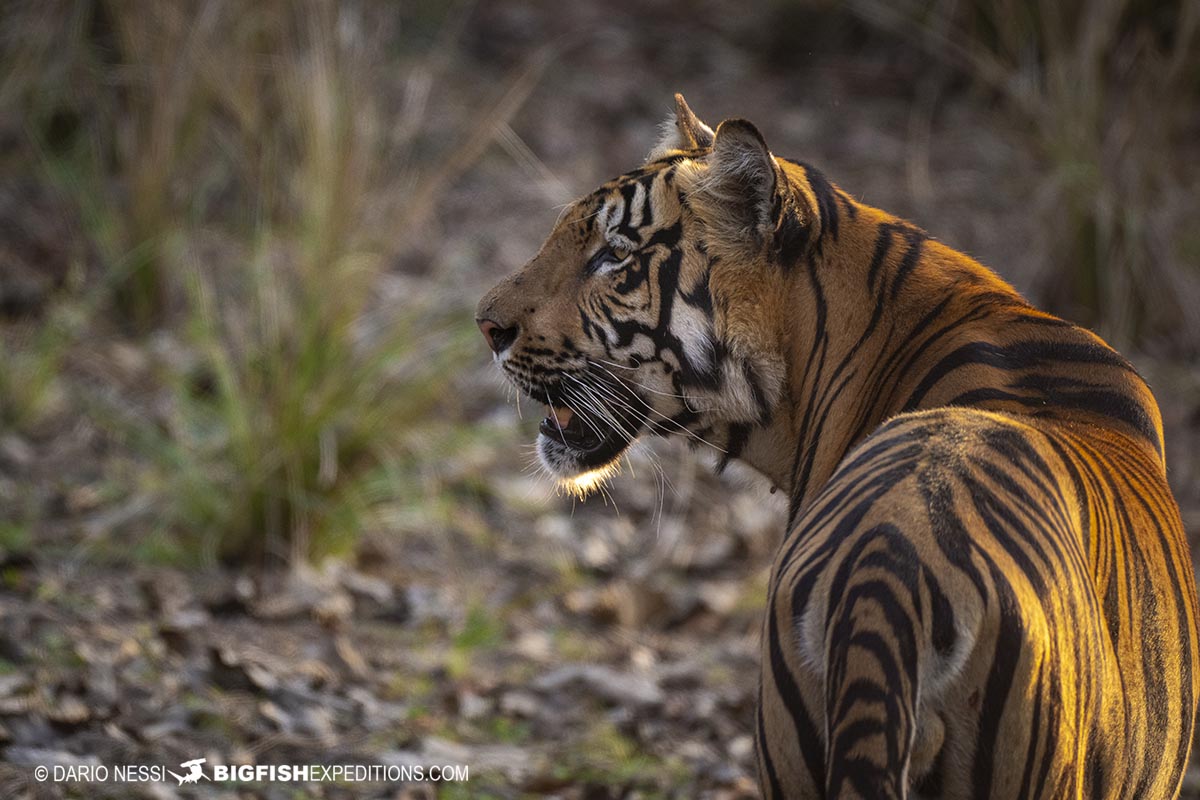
(984, 589)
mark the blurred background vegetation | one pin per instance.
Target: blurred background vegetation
(240, 245)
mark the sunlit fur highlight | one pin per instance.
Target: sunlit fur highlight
(580, 486)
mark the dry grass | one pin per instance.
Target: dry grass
(1106, 91)
(244, 183)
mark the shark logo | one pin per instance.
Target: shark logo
(193, 775)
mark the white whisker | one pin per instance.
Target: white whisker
(611, 395)
(582, 408)
(631, 382)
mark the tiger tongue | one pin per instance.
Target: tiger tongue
(561, 415)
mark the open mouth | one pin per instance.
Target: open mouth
(587, 427)
(583, 441)
(590, 421)
(567, 427)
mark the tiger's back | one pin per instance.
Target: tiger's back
(960, 600)
(1046, 638)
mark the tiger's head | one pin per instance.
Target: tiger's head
(655, 305)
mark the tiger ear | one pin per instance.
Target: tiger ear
(739, 189)
(682, 131)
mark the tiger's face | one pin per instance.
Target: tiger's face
(624, 323)
(608, 324)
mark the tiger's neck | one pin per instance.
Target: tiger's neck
(887, 321)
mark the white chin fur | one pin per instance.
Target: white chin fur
(557, 459)
(572, 476)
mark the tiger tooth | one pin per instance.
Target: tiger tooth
(562, 416)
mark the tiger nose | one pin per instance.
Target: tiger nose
(498, 338)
